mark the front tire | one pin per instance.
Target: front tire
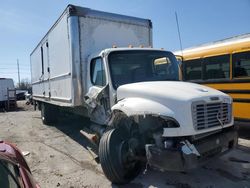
(115, 157)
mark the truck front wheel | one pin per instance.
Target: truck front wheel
(117, 161)
(49, 114)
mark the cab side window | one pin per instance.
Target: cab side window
(241, 64)
(97, 72)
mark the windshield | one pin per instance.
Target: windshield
(142, 65)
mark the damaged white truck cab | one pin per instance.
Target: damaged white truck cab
(139, 109)
(174, 125)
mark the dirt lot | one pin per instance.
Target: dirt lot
(59, 157)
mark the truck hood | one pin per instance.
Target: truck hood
(163, 91)
(171, 99)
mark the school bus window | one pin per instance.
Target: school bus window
(241, 62)
(217, 67)
(192, 69)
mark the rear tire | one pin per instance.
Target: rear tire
(117, 164)
(49, 113)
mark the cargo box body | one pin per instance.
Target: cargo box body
(59, 62)
(5, 84)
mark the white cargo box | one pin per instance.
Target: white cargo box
(59, 62)
(5, 84)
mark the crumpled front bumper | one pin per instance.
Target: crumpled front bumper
(177, 160)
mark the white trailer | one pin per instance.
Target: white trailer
(139, 109)
(5, 85)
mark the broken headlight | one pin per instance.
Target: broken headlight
(168, 122)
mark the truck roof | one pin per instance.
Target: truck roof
(132, 48)
(109, 50)
(85, 12)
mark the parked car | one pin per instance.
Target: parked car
(20, 94)
(14, 170)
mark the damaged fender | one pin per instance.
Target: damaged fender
(97, 102)
(142, 106)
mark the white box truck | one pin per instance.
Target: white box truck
(139, 109)
(5, 85)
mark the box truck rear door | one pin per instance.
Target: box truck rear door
(46, 70)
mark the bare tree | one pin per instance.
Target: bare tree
(24, 84)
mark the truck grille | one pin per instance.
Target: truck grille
(206, 115)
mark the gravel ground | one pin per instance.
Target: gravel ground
(60, 157)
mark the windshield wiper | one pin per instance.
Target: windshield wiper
(11, 174)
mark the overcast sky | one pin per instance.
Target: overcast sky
(24, 23)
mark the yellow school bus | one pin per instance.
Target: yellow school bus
(223, 65)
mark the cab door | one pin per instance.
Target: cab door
(97, 97)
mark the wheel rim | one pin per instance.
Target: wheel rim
(127, 159)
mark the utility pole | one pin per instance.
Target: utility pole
(176, 18)
(18, 73)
